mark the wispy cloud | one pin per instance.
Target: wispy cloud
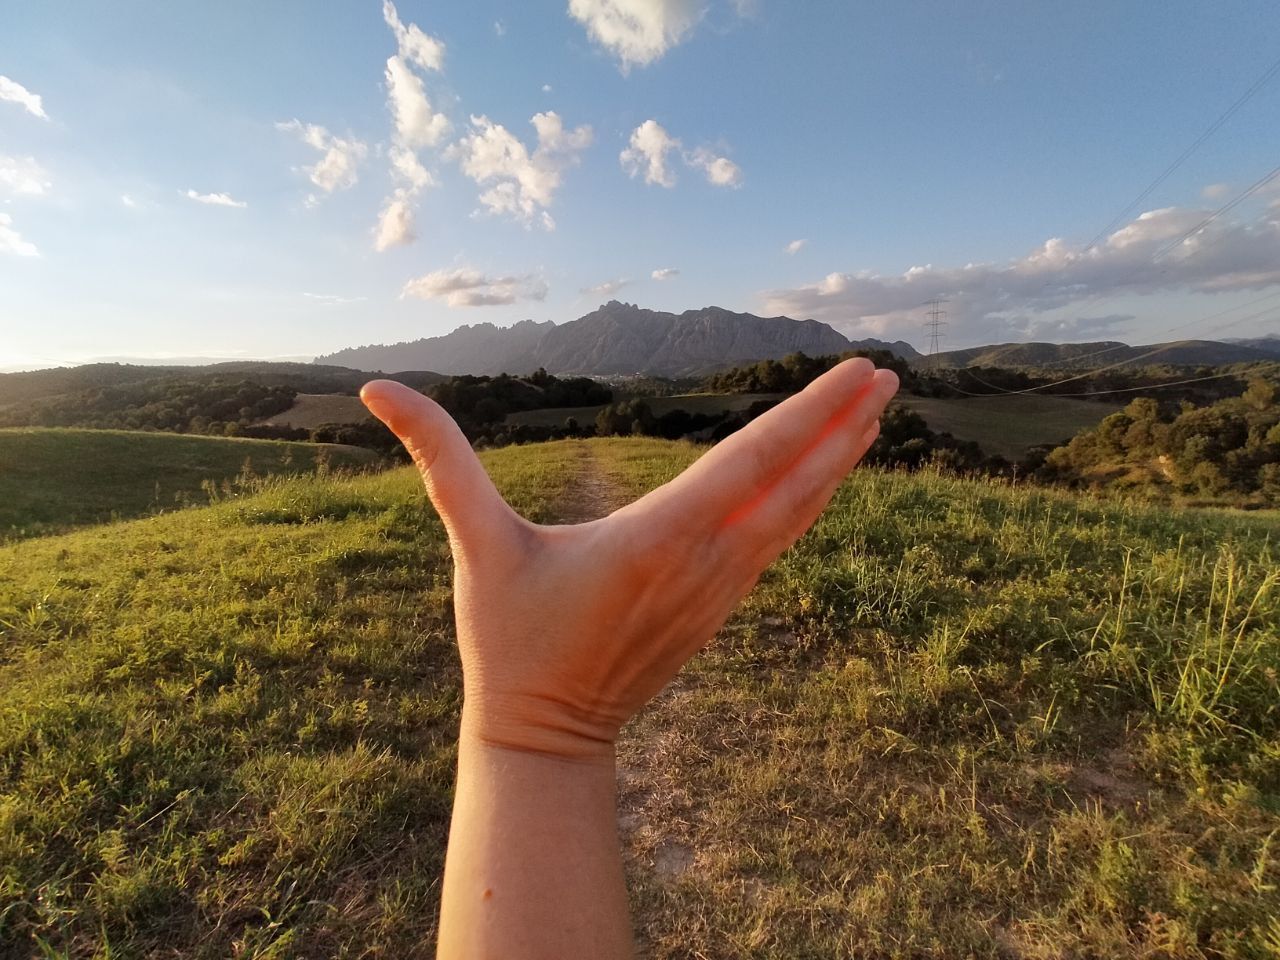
(13, 92)
(415, 46)
(467, 287)
(11, 241)
(332, 300)
(994, 300)
(417, 125)
(338, 166)
(665, 273)
(720, 171)
(606, 289)
(22, 177)
(795, 246)
(216, 199)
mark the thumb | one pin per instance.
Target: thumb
(456, 482)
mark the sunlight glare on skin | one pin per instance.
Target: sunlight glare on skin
(837, 422)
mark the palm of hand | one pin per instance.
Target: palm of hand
(566, 631)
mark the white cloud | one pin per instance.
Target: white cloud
(637, 32)
(337, 168)
(396, 225)
(216, 199)
(417, 125)
(606, 289)
(407, 168)
(22, 177)
(1215, 191)
(650, 143)
(14, 92)
(524, 184)
(795, 246)
(666, 273)
(413, 45)
(499, 28)
(11, 241)
(720, 171)
(128, 201)
(332, 300)
(649, 149)
(467, 287)
(994, 300)
(417, 122)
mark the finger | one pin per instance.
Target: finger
(792, 506)
(728, 482)
(456, 481)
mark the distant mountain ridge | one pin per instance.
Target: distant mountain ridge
(616, 339)
(1103, 353)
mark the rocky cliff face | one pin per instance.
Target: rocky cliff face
(618, 338)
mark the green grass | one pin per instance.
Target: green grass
(1008, 426)
(56, 479)
(956, 720)
(311, 410)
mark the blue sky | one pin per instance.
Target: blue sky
(286, 179)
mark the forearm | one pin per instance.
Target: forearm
(534, 867)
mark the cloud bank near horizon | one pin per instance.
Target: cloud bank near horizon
(1159, 252)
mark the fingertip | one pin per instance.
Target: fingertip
(886, 382)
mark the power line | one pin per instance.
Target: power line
(1230, 205)
(1182, 157)
(1093, 373)
(1181, 326)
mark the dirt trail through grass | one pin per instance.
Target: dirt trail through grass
(592, 494)
(649, 797)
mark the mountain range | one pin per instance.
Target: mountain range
(618, 339)
(1180, 353)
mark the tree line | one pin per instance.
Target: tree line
(1227, 451)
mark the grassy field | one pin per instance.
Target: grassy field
(956, 720)
(1006, 426)
(311, 410)
(55, 479)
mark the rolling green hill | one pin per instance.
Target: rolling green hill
(55, 479)
(311, 410)
(957, 719)
(1008, 426)
(1005, 425)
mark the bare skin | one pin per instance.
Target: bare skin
(565, 632)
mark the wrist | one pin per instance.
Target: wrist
(551, 731)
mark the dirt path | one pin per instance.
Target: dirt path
(652, 804)
(593, 494)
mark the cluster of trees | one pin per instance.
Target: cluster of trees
(796, 371)
(481, 403)
(1225, 451)
(210, 405)
(635, 418)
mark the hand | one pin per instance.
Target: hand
(566, 631)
